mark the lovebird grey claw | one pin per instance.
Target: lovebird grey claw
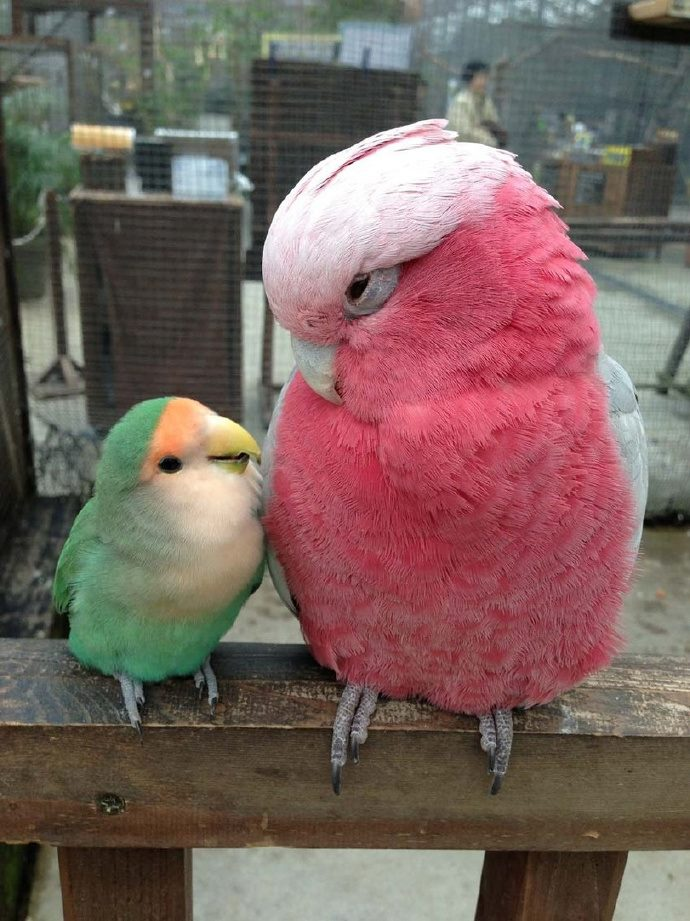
(354, 749)
(133, 695)
(205, 678)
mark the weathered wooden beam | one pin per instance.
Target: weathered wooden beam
(601, 769)
(125, 884)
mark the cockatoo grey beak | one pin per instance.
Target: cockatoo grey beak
(316, 364)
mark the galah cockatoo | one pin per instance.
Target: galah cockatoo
(160, 561)
(455, 475)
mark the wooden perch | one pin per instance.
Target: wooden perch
(598, 772)
(602, 768)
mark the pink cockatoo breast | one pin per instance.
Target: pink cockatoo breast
(460, 528)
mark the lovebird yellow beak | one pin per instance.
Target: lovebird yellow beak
(231, 446)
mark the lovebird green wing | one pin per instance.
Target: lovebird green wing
(82, 538)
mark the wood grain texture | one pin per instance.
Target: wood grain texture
(125, 884)
(548, 886)
(594, 770)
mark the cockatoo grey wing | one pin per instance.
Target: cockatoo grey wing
(267, 462)
(626, 420)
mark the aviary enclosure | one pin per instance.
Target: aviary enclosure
(147, 144)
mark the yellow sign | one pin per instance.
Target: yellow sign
(616, 156)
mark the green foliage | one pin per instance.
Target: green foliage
(209, 63)
(206, 61)
(328, 14)
(242, 25)
(36, 161)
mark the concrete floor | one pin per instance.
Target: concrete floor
(283, 885)
(254, 885)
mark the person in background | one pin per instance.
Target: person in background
(472, 113)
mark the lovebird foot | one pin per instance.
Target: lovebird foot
(496, 729)
(133, 696)
(355, 710)
(205, 677)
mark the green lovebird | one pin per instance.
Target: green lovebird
(161, 559)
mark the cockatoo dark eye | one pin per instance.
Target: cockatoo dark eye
(358, 287)
(368, 293)
(170, 464)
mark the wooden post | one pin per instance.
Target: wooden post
(91, 27)
(64, 377)
(17, 17)
(550, 886)
(126, 884)
(72, 106)
(272, 202)
(21, 456)
(267, 386)
(146, 45)
(55, 254)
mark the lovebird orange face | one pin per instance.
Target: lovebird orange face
(191, 439)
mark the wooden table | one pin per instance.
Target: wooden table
(596, 773)
(160, 297)
(642, 188)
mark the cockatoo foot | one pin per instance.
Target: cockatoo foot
(355, 710)
(496, 730)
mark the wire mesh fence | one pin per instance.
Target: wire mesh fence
(189, 121)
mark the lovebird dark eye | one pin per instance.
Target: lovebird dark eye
(170, 464)
(368, 293)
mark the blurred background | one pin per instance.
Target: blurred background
(145, 147)
(148, 144)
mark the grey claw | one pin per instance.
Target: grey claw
(132, 695)
(357, 704)
(496, 731)
(336, 777)
(205, 679)
(139, 693)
